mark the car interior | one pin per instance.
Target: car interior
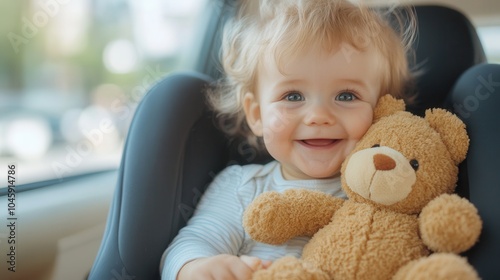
(162, 195)
(174, 149)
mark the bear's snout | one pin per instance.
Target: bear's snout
(383, 162)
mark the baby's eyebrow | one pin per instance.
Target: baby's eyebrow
(357, 82)
(284, 82)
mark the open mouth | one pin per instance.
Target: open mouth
(319, 143)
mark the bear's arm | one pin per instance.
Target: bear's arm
(449, 223)
(274, 217)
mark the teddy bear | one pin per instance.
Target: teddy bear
(401, 220)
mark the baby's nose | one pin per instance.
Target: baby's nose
(320, 115)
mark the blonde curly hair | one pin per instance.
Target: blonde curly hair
(287, 27)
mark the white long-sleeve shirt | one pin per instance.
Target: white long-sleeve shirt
(216, 226)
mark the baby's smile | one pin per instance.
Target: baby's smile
(319, 143)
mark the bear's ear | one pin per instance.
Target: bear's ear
(452, 132)
(387, 105)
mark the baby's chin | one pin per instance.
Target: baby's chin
(324, 175)
(322, 170)
(311, 173)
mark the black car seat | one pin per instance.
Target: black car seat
(476, 100)
(173, 149)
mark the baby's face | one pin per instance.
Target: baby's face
(313, 113)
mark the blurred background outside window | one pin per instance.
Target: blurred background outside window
(72, 73)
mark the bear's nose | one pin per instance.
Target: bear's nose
(383, 162)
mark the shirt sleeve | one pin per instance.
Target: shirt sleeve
(215, 227)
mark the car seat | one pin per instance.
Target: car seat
(173, 149)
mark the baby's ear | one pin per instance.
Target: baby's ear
(251, 107)
(387, 105)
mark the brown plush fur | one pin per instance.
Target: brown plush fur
(395, 215)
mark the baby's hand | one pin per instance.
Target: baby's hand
(255, 263)
(221, 267)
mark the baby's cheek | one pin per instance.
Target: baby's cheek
(350, 147)
(277, 127)
(363, 123)
(275, 124)
(278, 119)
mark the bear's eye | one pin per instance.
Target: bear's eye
(414, 164)
(376, 146)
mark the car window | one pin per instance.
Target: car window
(490, 39)
(73, 72)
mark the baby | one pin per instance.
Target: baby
(302, 80)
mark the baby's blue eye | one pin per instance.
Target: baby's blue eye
(345, 96)
(294, 96)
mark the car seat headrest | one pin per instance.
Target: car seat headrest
(446, 46)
